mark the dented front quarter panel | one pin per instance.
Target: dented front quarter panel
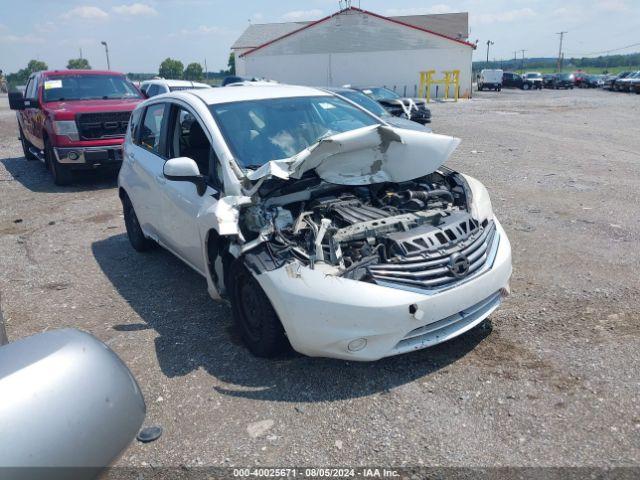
(221, 216)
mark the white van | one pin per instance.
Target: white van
(490, 79)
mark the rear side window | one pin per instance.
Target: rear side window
(151, 128)
(134, 125)
(153, 90)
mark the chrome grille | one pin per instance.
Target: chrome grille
(431, 270)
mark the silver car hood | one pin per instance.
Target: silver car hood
(374, 154)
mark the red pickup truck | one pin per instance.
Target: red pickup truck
(74, 119)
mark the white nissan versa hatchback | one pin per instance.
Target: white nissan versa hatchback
(325, 227)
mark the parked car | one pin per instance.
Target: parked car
(625, 84)
(611, 84)
(579, 79)
(534, 79)
(548, 80)
(490, 79)
(593, 81)
(235, 80)
(414, 109)
(635, 85)
(326, 229)
(69, 406)
(564, 80)
(374, 107)
(74, 119)
(514, 80)
(154, 87)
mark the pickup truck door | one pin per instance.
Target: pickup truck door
(32, 117)
(145, 157)
(182, 205)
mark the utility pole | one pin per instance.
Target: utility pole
(559, 68)
(106, 51)
(522, 60)
(206, 70)
(80, 53)
(515, 60)
(489, 43)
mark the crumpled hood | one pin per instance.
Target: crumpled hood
(375, 154)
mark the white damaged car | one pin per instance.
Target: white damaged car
(326, 228)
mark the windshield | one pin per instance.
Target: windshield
(379, 93)
(88, 87)
(565, 76)
(258, 131)
(534, 75)
(365, 102)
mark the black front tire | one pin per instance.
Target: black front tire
(257, 321)
(136, 236)
(62, 174)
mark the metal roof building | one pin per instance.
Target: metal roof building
(355, 46)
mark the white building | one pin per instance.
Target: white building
(358, 47)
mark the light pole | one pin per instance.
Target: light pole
(106, 51)
(559, 67)
(489, 43)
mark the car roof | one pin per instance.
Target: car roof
(174, 83)
(340, 89)
(212, 96)
(80, 72)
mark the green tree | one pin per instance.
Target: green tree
(21, 76)
(232, 63)
(78, 64)
(171, 69)
(36, 66)
(193, 72)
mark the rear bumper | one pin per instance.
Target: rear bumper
(89, 157)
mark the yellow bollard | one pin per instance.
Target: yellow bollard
(450, 77)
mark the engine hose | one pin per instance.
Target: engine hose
(425, 196)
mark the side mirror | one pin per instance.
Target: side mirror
(69, 406)
(185, 169)
(16, 101)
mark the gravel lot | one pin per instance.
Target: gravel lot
(552, 379)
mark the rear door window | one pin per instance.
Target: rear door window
(134, 125)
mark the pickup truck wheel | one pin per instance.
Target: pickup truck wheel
(259, 325)
(525, 86)
(136, 236)
(61, 174)
(25, 145)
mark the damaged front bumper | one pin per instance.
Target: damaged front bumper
(330, 316)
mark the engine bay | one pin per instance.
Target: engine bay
(417, 233)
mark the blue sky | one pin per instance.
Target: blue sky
(142, 33)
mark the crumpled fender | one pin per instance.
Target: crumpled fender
(375, 154)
